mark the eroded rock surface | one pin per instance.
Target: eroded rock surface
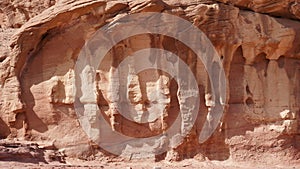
(259, 52)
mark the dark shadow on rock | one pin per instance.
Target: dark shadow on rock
(25, 153)
(4, 129)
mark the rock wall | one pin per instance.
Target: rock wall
(260, 52)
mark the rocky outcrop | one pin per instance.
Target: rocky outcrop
(29, 152)
(259, 52)
(13, 14)
(288, 8)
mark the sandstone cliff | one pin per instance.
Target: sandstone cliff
(258, 43)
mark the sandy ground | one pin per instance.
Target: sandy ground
(190, 164)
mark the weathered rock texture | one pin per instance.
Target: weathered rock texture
(16, 13)
(259, 50)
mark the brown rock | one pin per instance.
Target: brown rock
(286, 8)
(259, 52)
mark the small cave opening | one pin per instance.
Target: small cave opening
(249, 101)
(248, 90)
(2, 58)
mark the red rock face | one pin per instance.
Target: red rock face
(15, 13)
(259, 52)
